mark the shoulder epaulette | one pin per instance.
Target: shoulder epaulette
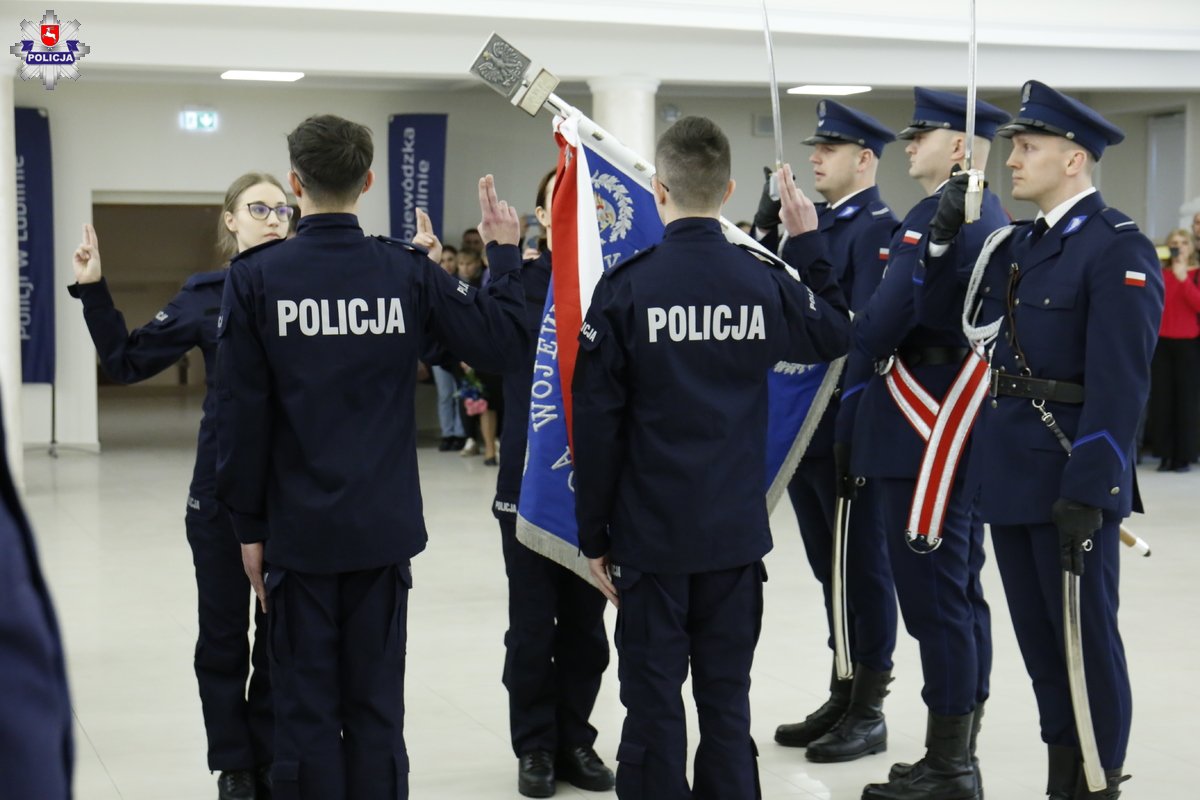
(879, 208)
(1117, 220)
(627, 261)
(761, 256)
(416, 248)
(258, 248)
(205, 278)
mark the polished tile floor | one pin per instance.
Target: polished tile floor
(113, 547)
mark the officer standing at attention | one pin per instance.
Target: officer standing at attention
(939, 592)
(669, 435)
(556, 648)
(1079, 295)
(36, 751)
(857, 227)
(318, 345)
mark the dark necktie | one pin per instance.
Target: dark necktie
(1039, 229)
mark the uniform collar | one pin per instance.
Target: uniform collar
(1059, 211)
(692, 226)
(323, 222)
(852, 195)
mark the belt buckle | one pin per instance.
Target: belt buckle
(884, 366)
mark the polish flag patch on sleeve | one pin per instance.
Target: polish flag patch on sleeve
(884, 253)
(1133, 278)
(911, 237)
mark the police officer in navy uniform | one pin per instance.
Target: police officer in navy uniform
(1079, 295)
(36, 748)
(939, 592)
(857, 227)
(319, 341)
(556, 648)
(669, 436)
(237, 713)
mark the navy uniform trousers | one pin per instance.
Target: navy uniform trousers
(870, 596)
(556, 650)
(346, 744)
(238, 719)
(713, 620)
(941, 598)
(1030, 567)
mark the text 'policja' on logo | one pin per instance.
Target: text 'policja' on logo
(49, 50)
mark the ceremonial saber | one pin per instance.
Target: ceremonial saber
(975, 181)
(1135, 542)
(1093, 770)
(841, 634)
(776, 113)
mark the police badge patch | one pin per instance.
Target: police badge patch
(50, 50)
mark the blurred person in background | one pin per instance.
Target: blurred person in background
(1175, 372)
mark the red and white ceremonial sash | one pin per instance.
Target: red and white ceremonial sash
(944, 427)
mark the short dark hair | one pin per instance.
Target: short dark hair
(331, 156)
(449, 248)
(543, 185)
(693, 163)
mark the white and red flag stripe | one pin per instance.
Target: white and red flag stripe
(911, 236)
(1134, 278)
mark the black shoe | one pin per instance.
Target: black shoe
(1165, 465)
(490, 462)
(446, 444)
(945, 773)
(902, 769)
(1182, 468)
(535, 774)
(862, 730)
(818, 723)
(1064, 764)
(236, 784)
(581, 767)
(264, 783)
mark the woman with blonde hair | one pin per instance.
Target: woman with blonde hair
(1175, 371)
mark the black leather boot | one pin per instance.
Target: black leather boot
(582, 767)
(1110, 792)
(818, 723)
(535, 774)
(236, 784)
(900, 769)
(862, 730)
(1063, 767)
(945, 773)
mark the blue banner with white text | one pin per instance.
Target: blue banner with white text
(35, 245)
(416, 171)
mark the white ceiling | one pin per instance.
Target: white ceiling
(1097, 44)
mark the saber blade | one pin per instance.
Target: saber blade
(777, 115)
(841, 634)
(974, 199)
(1073, 632)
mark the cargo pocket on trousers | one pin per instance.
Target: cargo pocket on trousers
(631, 628)
(631, 778)
(397, 633)
(285, 780)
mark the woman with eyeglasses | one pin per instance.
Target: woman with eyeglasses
(237, 717)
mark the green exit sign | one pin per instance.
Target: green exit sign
(198, 120)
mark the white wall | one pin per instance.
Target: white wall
(111, 137)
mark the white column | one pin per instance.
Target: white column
(625, 107)
(10, 308)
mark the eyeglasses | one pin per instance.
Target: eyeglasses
(262, 211)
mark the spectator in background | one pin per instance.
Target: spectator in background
(471, 241)
(1196, 230)
(454, 435)
(471, 270)
(1175, 371)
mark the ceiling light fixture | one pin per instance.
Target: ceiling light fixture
(260, 75)
(829, 90)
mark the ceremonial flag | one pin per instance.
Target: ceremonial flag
(602, 212)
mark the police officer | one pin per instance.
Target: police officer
(556, 648)
(940, 598)
(669, 436)
(857, 228)
(1078, 293)
(319, 340)
(237, 715)
(36, 750)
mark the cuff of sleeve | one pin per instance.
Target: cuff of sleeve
(92, 294)
(937, 249)
(249, 529)
(594, 545)
(503, 258)
(805, 250)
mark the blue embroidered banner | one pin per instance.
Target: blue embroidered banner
(416, 171)
(35, 245)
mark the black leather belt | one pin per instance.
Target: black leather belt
(931, 356)
(1009, 385)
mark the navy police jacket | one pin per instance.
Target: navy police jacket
(36, 753)
(857, 235)
(1089, 298)
(884, 444)
(670, 396)
(189, 320)
(319, 341)
(518, 385)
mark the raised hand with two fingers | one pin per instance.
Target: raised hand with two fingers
(86, 258)
(426, 237)
(500, 223)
